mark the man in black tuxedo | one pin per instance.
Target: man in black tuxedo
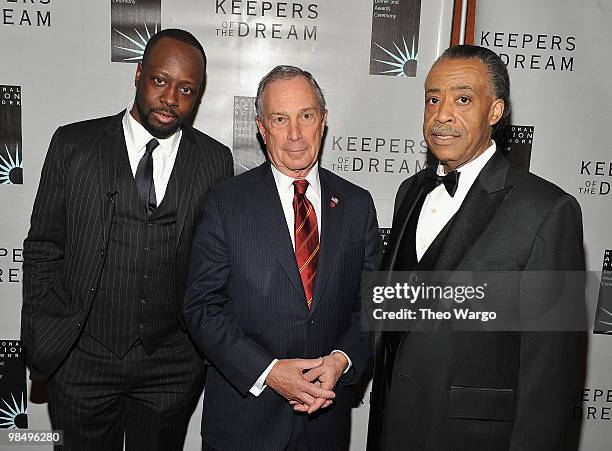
(274, 288)
(107, 256)
(478, 390)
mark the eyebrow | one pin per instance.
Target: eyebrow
(303, 110)
(453, 88)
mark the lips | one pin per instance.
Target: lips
(165, 117)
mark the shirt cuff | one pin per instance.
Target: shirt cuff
(348, 367)
(260, 383)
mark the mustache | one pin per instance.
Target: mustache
(445, 130)
(165, 110)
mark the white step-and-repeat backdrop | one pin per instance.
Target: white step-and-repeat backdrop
(64, 61)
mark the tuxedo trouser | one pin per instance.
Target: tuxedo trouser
(99, 400)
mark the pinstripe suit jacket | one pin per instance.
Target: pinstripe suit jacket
(64, 252)
(245, 305)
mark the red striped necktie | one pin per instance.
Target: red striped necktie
(306, 238)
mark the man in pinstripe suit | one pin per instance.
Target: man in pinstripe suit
(106, 258)
(281, 325)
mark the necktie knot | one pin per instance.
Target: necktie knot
(300, 186)
(151, 145)
(450, 181)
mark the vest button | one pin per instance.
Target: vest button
(143, 301)
(146, 276)
(78, 325)
(311, 322)
(140, 326)
(147, 249)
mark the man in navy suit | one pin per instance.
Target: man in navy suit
(274, 299)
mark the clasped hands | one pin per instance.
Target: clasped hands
(307, 383)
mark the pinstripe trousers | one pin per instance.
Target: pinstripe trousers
(100, 400)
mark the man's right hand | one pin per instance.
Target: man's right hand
(286, 379)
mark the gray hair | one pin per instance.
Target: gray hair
(286, 73)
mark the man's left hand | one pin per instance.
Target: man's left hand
(326, 376)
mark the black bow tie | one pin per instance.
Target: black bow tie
(450, 180)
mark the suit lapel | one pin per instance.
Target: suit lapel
(482, 201)
(185, 167)
(111, 143)
(267, 209)
(400, 221)
(332, 214)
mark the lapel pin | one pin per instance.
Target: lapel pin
(333, 202)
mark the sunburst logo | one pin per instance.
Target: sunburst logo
(139, 41)
(15, 415)
(11, 168)
(403, 63)
(609, 317)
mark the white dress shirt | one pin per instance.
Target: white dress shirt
(284, 185)
(164, 155)
(439, 207)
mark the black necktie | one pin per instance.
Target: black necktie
(450, 180)
(144, 177)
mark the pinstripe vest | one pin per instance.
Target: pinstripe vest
(135, 300)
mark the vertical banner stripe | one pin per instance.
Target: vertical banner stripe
(132, 24)
(395, 37)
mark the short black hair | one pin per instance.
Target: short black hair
(174, 33)
(498, 75)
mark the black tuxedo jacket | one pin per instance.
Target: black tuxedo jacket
(245, 306)
(485, 390)
(64, 251)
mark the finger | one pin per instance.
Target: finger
(313, 374)
(328, 403)
(316, 405)
(307, 364)
(316, 392)
(305, 398)
(300, 408)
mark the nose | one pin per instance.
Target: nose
(445, 111)
(294, 133)
(168, 96)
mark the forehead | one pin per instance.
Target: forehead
(286, 95)
(170, 52)
(458, 73)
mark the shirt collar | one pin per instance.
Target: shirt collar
(138, 137)
(470, 170)
(284, 182)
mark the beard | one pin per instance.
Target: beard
(160, 131)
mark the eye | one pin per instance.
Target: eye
(463, 100)
(308, 116)
(159, 81)
(279, 120)
(186, 90)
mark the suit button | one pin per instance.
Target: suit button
(143, 301)
(78, 325)
(101, 252)
(311, 322)
(140, 326)
(146, 276)
(147, 249)
(92, 291)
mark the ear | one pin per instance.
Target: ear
(262, 129)
(324, 120)
(138, 74)
(496, 111)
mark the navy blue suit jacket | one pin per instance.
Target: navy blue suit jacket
(245, 306)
